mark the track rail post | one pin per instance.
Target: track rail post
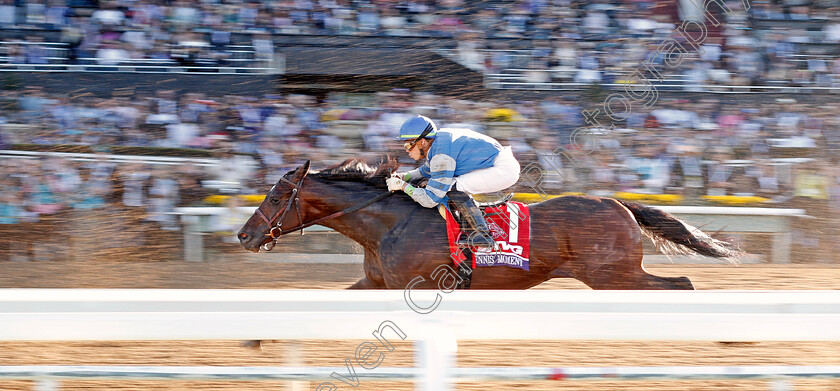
(47, 385)
(435, 353)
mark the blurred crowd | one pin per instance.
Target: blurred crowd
(568, 40)
(601, 42)
(782, 151)
(709, 146)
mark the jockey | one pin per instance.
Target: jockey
(472, 162)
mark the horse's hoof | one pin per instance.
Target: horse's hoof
(255, 344)
(737, 343)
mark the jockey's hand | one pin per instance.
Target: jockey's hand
(395, 183)
(402, 175)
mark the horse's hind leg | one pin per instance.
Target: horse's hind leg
(620, 267)
(624, 270)
(624, 276)
(670, 283)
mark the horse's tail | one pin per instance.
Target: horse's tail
(671, 235)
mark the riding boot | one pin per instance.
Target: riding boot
(480, 235)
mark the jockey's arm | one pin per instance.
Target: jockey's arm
(419, 172)
(442, 174)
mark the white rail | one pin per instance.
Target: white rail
(114, 314)
(59, 314)
(147, 159)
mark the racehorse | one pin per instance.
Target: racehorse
(595, 240)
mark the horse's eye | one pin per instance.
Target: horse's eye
(274, 200)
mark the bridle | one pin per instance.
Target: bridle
(276, 231)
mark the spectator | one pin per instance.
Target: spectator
(112, 53)
(134, 177)
(367, 19)
(468, 54)
(36, 52)
(603, 178)
(263, 50)
(554, 168)
(650, 168)
(769, 185)
(228, 223)
(687, 170)
(15, 54)
(109, 16)
(190, 188)
(8, 13)
(11, 203)
(163, 197)
(232, 170)
(719, 172)
(72, 35)
(56, 13)
(392, 22)
(183, 15)
(191, 50)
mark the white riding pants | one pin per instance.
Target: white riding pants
(503, 174)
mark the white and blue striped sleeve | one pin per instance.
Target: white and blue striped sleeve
(442, 172)
(419, 172)
(424, 170)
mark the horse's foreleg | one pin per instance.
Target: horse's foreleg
(373, 276)
(366, 283)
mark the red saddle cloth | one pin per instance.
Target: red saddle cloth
(510, 225)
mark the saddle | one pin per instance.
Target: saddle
(509, 224)
(493, 204)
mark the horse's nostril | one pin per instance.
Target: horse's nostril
(243, 236)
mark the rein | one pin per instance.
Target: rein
(339, 213)
(277, 231)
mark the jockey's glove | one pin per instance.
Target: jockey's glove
(402, 175)
(395, 184)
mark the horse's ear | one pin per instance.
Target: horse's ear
(301, 172)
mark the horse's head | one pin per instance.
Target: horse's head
(279, 210)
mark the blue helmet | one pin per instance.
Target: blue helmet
(416, 126)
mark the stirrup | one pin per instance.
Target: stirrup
(476, 239)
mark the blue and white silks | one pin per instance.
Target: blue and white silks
(454, 152)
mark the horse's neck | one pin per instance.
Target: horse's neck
(361, 227)
(366, 226)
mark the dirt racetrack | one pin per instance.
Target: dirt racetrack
(333, 353)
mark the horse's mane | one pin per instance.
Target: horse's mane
(356, 170)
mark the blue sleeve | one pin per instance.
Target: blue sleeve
(440, 183)
(424, 169)
(441, 169)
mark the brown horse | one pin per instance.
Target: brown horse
(595, 240)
